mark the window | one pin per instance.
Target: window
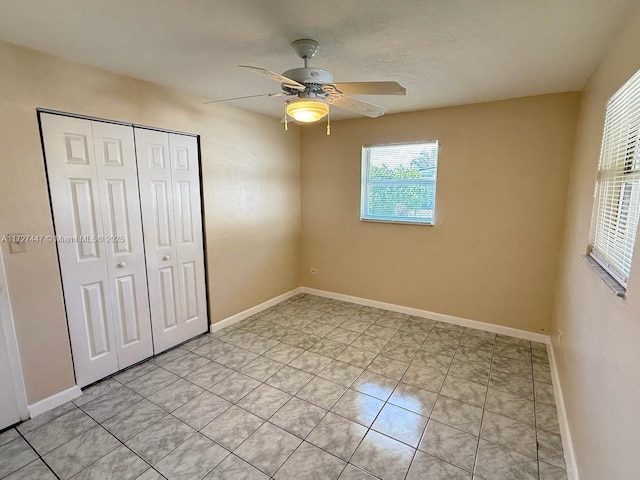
(617, 199)
(399, 182)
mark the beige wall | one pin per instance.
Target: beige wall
(599, 354)
(492, 255)
(251, 196)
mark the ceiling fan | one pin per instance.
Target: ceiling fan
(310, 91)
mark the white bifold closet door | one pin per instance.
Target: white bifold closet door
(91, 167)
(169, 175)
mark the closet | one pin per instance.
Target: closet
(126, 210)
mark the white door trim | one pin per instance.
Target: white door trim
(11, 339)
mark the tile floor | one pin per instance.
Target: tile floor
(310, 389)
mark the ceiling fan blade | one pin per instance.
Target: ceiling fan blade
(287, 82)
(355, 105)
(278, 94)
(371, 88)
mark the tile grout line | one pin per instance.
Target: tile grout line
(440, 390)
(40, 457)
(484, 406)
(265, 420)
(378, 354)
(370, 427)
(144, 398)
(535, 417)
(167, 412)
(491, 368)
(326, 414)
(493, 349)
(292, 396)
(415, 453)
(121, 442)
(386, 402)
(305, 438)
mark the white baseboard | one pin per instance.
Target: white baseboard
(565, 433)
(440, 317)
(253, 310)
(54, 401)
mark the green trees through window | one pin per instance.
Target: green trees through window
(399, 182)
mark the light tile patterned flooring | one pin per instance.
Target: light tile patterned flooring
(310, 389)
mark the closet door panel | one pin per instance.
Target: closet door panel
(156, 201)
(75, 198)
(120, 202)
(186, 193)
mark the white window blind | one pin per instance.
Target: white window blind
(617, 207)
(399, 182)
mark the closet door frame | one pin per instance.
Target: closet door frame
(40, 111)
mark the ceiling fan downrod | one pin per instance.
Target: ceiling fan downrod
(305, 48)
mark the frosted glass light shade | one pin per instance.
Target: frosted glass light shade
(307, 111)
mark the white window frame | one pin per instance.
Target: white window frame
(614, 224)
(366, 181)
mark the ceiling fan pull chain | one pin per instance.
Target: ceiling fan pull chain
(286, 123)
(328, 122)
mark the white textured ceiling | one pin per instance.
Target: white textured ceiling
(445, 52)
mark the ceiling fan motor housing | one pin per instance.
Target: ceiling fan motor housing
(309, 75)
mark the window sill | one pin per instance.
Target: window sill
(399, 222)
(611, 282)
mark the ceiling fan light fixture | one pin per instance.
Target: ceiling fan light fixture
(307, 110)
